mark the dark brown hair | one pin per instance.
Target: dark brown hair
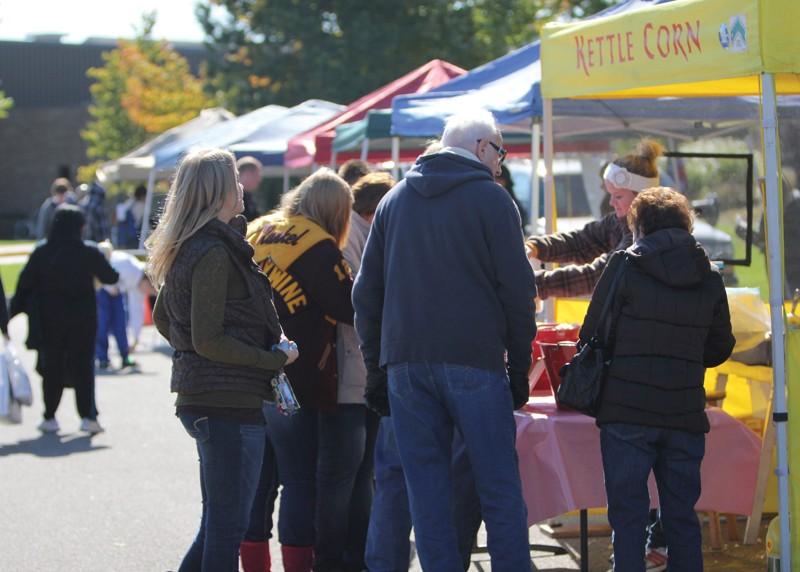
(60, 186)
(248, 163)
(644, 161)
(352, 170)
(369, 190)
(659, 208)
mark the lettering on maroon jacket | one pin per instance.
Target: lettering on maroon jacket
(285, 286)
(665, 41)
(272, 236)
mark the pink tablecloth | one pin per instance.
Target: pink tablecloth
(561, 468)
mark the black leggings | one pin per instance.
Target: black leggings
(62, 367)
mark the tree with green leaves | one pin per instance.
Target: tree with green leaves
(6, 103)
(285, 51)
(144, 88)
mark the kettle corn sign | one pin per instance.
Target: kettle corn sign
(642, 47)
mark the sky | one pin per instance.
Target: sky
(80, 19)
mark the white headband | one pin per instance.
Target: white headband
(623, 178)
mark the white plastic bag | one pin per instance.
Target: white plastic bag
(749, 317)
(21, 391)
(5, 390)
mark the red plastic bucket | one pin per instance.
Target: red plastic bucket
(548, 333)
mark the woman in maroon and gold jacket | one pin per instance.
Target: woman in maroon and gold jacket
(299, 247)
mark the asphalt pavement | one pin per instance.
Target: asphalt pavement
(128, 500)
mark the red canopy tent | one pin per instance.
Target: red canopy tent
(314, 146)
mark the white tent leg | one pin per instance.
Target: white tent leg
(549, 190)
(285, 179)
(333, 160)
(364, 149)
(148, 206)
(396, 158)
(774, 239)
(536, 137)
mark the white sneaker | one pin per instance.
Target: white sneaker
(91, 426)
(49, 426)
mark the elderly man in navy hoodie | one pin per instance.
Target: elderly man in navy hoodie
(444, 310)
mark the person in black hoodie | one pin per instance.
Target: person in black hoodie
(671, 321)
(56, 290)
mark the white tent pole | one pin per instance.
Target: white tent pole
(396, 157)
(769, 121)
(365, 149)
(285, 179)
(549, 190)
(333, 159)
(536, 138)
(148, 206)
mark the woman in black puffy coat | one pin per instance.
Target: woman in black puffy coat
(671, 322)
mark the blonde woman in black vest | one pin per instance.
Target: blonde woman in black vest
(215, 308)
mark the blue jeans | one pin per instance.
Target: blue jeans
(110, 319)
(630, 452)
(429, 401)
(230, 463)
(344, 486)
(295, 442)
(388, 543)
(260, 527)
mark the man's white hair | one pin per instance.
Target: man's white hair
(465, 128)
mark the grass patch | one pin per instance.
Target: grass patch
(10, 273)
(15, 242)
(755, 275)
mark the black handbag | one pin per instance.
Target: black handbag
(582, 378)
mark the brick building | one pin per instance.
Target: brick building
(40, 139)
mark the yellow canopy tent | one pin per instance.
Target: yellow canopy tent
(694, 48)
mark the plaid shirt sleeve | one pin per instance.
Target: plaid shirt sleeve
(578, 279)
(579, 246)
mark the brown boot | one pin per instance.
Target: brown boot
(255, 556)
(297, 558)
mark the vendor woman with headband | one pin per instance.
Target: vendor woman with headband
(588, 249)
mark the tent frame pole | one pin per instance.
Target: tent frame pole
(148, 207)
(536, 139)
(549, 190)
(396, 158)
(365, 149)
(285, 179)
(769, 119)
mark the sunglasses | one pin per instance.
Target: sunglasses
(502, 152)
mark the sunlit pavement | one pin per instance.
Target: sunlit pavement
(128, 500)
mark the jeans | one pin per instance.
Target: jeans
(260, 527)
(295, 441)
(388, 544)
(429, 401)
(344, 486)
(630, 452)
(110, 319)
(230, 464)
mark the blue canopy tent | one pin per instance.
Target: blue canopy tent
(263, 133)
(268, 143)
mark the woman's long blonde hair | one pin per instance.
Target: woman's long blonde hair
(325, 198)
(196, 196)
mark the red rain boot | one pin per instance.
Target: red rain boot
(255, 556)
(297, 558)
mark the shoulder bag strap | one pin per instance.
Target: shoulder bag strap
(607, 303)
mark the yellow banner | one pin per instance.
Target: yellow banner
(677, 42)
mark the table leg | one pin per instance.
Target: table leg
(584, 540)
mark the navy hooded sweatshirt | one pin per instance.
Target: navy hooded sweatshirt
(444, 277)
